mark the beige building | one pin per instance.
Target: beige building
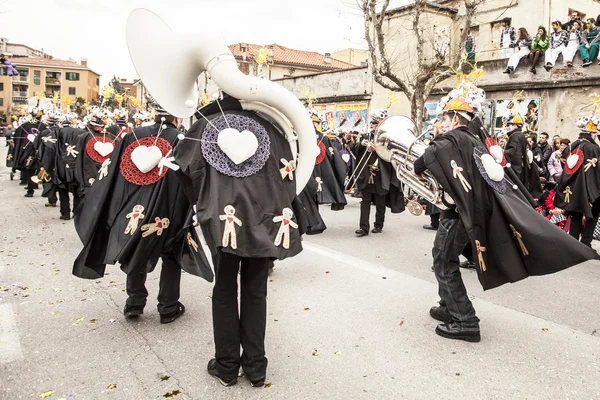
(47, 76)
(356, 57)
(555, 99)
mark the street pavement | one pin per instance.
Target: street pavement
(347, 319)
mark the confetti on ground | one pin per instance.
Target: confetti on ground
(544, 329)
(316, 353)
(78, 321)
(112, 386)
(338, 353)
(172, 394)
(401, 322)
(268, 385)
(92, 322)
(307, 309)
(47, 394)
(165, 378)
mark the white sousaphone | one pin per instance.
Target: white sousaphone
(173, 84)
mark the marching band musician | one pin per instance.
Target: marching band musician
(376, 180)
(578, 191)
(24, 155)
(508, 237)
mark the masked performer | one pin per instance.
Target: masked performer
(520, 157)
(376, 179)
(137, 212)
(330, 171)
(578, 191)
(45, 151)
(92, 150)
(24, 156)
(492, 212)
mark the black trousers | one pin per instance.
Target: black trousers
(26, 176)
(246, 329)
(64, 198)
(365, 210)
(435, 220)
(168, 286)
(450, 240)
(577, 229)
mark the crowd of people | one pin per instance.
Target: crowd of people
(139, 195)
(563, 39)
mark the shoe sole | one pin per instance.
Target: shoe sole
(466, 338)
(133, 314)
(434, 316)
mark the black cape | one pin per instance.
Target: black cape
(516, 154)
(104, 215)
(87, 168)
(583, 184)
(308, 197)
(331, 172)
(24, 156)
(257, 199)
(515, 237)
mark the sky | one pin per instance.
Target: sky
(95, 29)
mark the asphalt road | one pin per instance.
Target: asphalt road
(348, 319)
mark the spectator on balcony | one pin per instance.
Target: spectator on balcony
(590, 42)
(572, 19)
(508, 36)
(559, 39)
(470, 48)
(539, 45)
(575, 41)
(523, 42)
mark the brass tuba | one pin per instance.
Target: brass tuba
(395, 142)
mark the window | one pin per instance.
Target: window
(1, 86)
(97, 81)
(3, 71)
(72, 76)
(71, 91)
(37, 77)
(1, 102)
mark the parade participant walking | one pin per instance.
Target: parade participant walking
(509, 238)
(92, 152)
(376, 180)
(578, 192)
(519, 156)
(121, 127)
(24, 156)
(137, 212)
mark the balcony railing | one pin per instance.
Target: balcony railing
(19, 99)
(21, 78)
(19, 94)
(52, 81)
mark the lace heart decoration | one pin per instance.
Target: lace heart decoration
(492, 168)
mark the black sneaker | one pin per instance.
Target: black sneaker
(376, 230)
(172, 316)
(468, 265)
(212, 371)
(133, 311)
(430, 227)
(65, 217)
(440, 314)
(455, 331)
(12, 176)
(361, 232)
(29, 194)
(586, 63)
(48, 204)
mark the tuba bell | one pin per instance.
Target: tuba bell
(395, 142)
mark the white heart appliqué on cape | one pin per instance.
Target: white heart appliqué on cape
(104, 148)
(492, 168)
(497, 152)
(146, 158)
(31, 137)
(529, 156)
(572, 160)
(346, 157)
(238, 146)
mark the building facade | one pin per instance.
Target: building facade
(47, 76)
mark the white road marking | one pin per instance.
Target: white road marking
(10, 345)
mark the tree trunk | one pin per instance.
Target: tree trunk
(417, 105)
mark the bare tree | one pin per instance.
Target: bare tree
(425, 71)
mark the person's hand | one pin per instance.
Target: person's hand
(370, 147)
(364, 142)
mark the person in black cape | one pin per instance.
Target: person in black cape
(330, 171)
(120, 127)
(58, 159)
(578, 191)
(376, 180)
(44, 145)
(249, 214)
(92, 151)
(24, 156)
(520, 157)
(135, 218)
(493, 212)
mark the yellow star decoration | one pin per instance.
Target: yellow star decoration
(310, 95)
(596, 101)
(119, 98)
(393, 99)
(262, 56)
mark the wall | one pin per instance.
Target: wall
(351, 56)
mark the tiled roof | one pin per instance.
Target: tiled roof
(44, 62)
(286, 56)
